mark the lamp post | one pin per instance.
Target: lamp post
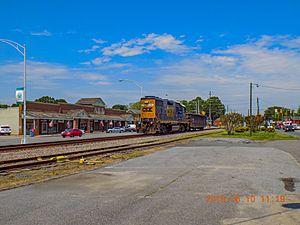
(19, 48)
(136, 83)
(251, 121)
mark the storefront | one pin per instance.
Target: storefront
(47, 118)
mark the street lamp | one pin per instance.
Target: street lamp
(19, 48)
(136, 83)
(251, 126)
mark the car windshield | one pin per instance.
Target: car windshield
(67, 130)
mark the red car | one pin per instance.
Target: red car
(71, 133)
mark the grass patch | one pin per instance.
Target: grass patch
(257, 136)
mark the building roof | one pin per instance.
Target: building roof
(134, 111)
(91, 101)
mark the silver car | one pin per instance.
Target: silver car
(116, 130)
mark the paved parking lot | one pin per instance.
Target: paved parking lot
(10, 140)
(167, 187)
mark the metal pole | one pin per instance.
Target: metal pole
(24, 109)
(210, 108)
(257, 103)
(250, 108)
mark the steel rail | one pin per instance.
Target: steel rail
(66, 142)
(91, 152)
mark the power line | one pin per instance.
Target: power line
(281, 88)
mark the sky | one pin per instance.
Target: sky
(173, 49)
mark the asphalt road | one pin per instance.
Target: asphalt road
(168, 187)
(294, 133)
(10, 140)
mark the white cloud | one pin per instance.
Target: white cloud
(149, 42)
(46, 75)
(270, 60)
(103, 83)
(92, 49)
(41, 33)
(98, 41)
(100, 60)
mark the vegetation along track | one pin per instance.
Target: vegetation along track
(51, 158)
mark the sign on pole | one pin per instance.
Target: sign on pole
(20, 95)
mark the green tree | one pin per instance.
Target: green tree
(277, 113)
(121, 107)
(135, 105)
(48, 99)
(4, 106)
(61, 100)
(257, 121)
(217, 107)
(298, 111)
(231, 121)
(194, 106)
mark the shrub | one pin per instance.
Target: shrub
(240, 129)
(263, 128)
(270, 130)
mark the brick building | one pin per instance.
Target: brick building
(89, 114)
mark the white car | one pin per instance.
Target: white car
(297, 126)
(5, 129)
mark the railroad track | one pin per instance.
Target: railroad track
(7, 165)
(19, 147)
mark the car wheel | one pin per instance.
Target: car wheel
(80, 135)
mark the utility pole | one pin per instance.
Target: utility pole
(227, 110)
(210, 108)
(250, 108)
(257, 104)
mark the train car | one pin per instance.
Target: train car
(162, 115)
(196, 121)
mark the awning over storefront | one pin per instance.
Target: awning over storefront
(75, 115)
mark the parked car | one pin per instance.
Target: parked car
(130, 128)
(71, 133)
(297, 127)
(116, 130)
(83, 131)
(289, 128)
(5, 129)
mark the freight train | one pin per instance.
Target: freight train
(165, 116)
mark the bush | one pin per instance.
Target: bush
(270, 130)
(240, 129)
(263, 128)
